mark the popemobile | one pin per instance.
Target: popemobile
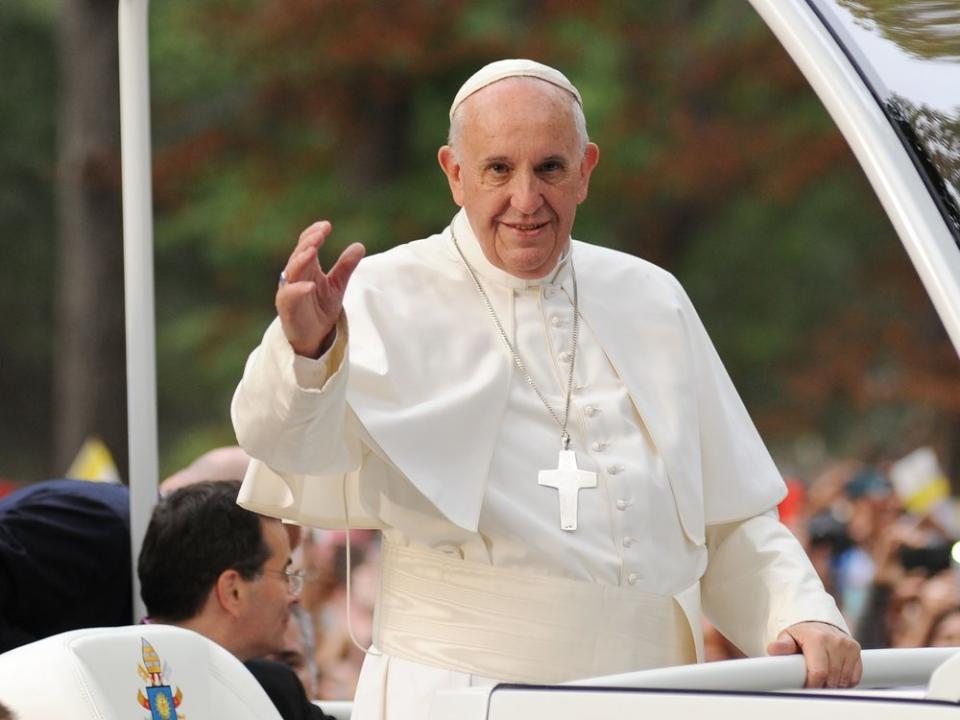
(900, 114)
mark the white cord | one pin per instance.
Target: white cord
(346, 521)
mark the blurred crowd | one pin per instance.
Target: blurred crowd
(886, 556)
(882, 540)
(333, 647)
(884, 549)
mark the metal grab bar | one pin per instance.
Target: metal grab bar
(881, 668)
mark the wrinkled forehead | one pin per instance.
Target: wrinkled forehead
(518, 110)
(518, 95)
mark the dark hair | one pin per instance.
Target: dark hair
(825, 529)
(937, 622)
(195, 534)
(5, 713)
(932, 559)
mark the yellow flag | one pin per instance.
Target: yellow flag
(94, 462)
(923, 486)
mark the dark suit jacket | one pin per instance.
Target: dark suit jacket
(285, 689)
(64, 559)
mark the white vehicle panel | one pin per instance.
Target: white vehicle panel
(889, 169)
(524, 704)
(735, 689)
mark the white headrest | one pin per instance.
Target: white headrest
(148, 672)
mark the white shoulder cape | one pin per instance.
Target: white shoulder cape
(429, 378)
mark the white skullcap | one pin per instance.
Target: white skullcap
(503, 69)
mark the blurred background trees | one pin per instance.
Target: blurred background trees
(717, 162)
(88, 351)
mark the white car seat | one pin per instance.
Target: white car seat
(145, 672)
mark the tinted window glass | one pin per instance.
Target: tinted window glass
(909, 53)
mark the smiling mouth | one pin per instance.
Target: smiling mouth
(526, 227)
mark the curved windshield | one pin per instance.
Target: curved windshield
(908, 51)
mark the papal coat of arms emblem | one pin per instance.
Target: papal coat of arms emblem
(160, 700)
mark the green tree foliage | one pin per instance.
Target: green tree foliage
(27, 228)
(717, 162)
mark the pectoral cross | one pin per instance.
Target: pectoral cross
(568, 479)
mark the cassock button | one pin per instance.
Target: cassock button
(615, 469)
(564, 357)
(632, 578)
(547, 292)
(623, 504)
(591, 411)
(556, 321)
(598, 446)
(627, 541)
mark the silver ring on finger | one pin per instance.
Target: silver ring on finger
(283, 278)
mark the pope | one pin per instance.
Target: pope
(563, 474)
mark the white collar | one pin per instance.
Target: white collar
(488, 271)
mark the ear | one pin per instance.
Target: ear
(230, 592)
(591, 156)
(451, 168)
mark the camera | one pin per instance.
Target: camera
(931, 558)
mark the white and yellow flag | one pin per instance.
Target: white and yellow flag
(923, 486)
(94, 462)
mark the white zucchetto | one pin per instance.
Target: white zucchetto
(503, 69)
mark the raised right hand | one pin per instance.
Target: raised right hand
(310, 304)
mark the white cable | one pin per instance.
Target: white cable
(346, 521)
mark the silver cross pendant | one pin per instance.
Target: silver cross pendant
(568, 479)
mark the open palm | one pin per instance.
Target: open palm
(311, 301)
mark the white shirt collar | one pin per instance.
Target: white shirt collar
(488, 271)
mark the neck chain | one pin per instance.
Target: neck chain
(561, 421)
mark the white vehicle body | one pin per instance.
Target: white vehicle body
(735, 689)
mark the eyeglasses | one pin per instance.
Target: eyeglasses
(294, 578)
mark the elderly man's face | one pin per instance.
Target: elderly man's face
(519, 173)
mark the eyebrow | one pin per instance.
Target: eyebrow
(504, 159)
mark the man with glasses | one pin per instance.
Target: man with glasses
(212, 567)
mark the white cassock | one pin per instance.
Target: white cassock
(439, 441)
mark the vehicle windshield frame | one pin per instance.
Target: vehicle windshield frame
(933, 179)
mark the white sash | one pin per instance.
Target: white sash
(509, 625)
